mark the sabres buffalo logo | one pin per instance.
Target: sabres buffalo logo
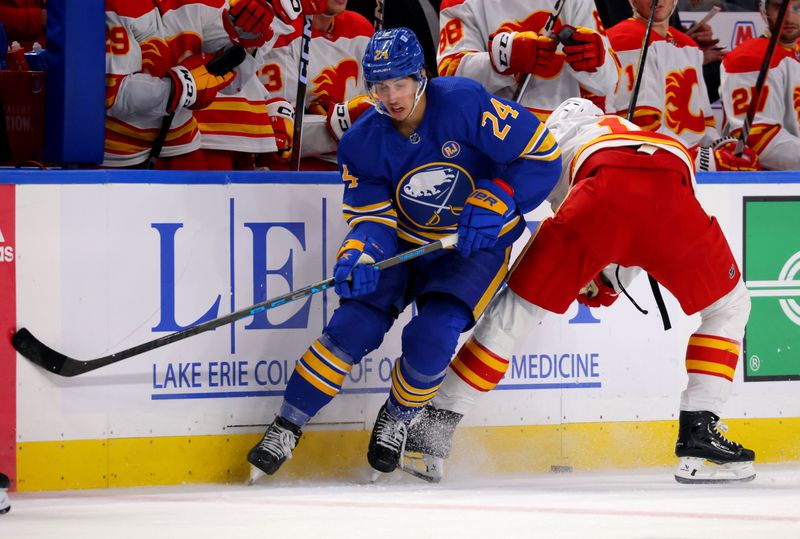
(678, 115)
(432, 196)
(332, 81)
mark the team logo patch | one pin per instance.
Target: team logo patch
(451, 149)
(432, 196)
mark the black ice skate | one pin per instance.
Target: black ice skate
(387, 442)
(430, 437)
(706, 456)
(5, 503)
(277, 445)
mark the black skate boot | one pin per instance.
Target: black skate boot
(5, 503)
(706, 456)
(276, 446)
(387, 442)
(430, 437)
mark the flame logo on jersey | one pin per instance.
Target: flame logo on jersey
(796, 102)
(677, 113)
(432, 196)
(598, 23)
(332, 81)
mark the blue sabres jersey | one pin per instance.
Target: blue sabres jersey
(417, 185)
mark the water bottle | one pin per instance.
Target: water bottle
(36, 58)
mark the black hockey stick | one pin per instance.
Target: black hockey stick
(56, 362)
(762, 78)
(220, 65)
(662, 307)
(300, 99)
(379, 5)
(549, 24)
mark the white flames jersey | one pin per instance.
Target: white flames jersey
(588, 134)
(237, 119)
(136, 92)
(334, 73)
(775, 132)
(673, 98)
(465, 27)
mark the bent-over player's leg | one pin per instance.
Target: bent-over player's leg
(701, 272)
(355, 329)
(711, 358)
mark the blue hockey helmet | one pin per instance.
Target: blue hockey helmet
(392, 54)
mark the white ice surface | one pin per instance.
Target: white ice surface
(614, 504)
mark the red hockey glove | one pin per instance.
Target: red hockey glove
(249, 22)
(281, 114)
(598, 293)
(289, 10)
(193, 87)
(719, 156)
(356, 259)
(584, 48)
(485, 212)
(521, 52)
(341, 116)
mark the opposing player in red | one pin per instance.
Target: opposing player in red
(625, 197)
(673, 98)
(775, 134)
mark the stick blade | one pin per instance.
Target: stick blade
(41, 354)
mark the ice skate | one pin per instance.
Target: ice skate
(706, 456)
(387, 443)
(430, 437)
(277, 445)
(5, 503)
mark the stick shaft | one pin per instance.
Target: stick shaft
(36, 351)
(300, 98)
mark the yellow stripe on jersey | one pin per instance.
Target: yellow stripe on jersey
(449, 65)
(250, 129)
(542, 146)
(493, 286)
(633, 137)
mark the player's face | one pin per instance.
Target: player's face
(791, 27)
(663, 9)
(397, 95)
(335, 7)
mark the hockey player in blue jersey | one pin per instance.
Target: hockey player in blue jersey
(431, 159)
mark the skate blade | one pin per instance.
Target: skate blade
(255, 475)
(422, 466)
(698, 471)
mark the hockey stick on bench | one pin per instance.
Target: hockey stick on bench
(56, 362)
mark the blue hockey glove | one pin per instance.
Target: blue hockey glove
(485, 212)
(356, 259)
